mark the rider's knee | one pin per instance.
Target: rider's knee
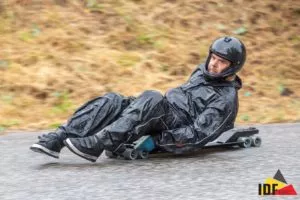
(152, 94)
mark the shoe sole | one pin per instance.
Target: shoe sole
(43, 150)
(72, 148)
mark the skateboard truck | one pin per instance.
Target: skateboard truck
(139, 149)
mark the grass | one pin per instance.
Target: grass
(56, 55)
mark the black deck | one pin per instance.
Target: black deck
(233, 134)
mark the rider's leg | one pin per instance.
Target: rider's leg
(144, 115)
(87, 120)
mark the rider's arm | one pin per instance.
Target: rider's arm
(207, 126)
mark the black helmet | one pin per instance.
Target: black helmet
(231, 49)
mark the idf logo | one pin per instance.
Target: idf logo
(276, 186)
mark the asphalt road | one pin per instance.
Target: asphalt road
(211, 174)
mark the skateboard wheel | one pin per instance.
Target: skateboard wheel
(143, 154)
(110, 154)
(256, 141)
(244, 142)
(130, 154)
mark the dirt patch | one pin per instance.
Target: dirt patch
(57, 54)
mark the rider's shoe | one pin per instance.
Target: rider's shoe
(89, 148)
(49, 144)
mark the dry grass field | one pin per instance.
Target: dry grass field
(57, 54)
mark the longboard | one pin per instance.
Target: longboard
(240, 137)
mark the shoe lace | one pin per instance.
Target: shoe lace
(47, 137)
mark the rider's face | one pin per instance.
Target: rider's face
(217, 64)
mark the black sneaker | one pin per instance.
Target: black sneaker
(89, 148)
(49, 144)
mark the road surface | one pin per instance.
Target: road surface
(211, 174)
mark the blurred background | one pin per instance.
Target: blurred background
(57, 54)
